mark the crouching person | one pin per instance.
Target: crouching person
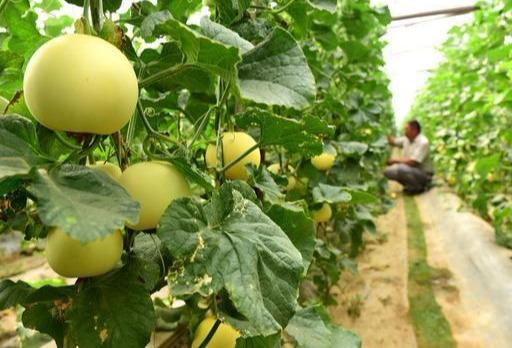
(414, 169)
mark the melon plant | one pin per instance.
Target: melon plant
(142, 140)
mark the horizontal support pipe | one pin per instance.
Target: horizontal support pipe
(447, 11)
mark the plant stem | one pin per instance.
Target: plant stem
(163, 74)
(206, 116)
(204, 121)
(178, 127)
(159, 255)
(88, 145)
(65, 142)
(282, 8)
(3, 5)
(87, 7)
(239, 158)
(210, 334)
(117, 138)
(97, 14)
(218, 144)
(150, 129)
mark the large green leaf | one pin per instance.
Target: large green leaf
(85, 203)
(220, 33)
(18, 141)
(231, 10)
(259, 342)
(199, 50)
(193, 173)
(18, 151)
(295, 136)
(12, 294)
(262, 179)
(311, 328)
(298, 226)
(330, 194)
(351, 148)
(45, 311)
(13, 166)
(112, 311)
(276, 72)
(110, 5)
(327, 5)
(229, 243)
(149, 259)
(361, 197)
(20, 21)
(485, 164)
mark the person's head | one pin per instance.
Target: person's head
(412, 129)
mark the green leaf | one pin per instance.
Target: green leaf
(231, 10)
(354, 50)
(181, 9)
(312, 328)
(327, 5)
(330, 194)
(20, 20)
(350, 148)
(193, 174)
(44, 311)
(18, 154)
(49, 5)
(110, 5)
(262, 179)
(229, 243)
(112, 311)
(276, 72)
(55, 25)
(199, 50)
(259, 342)
(361, 197)
(18, 140)
(485, 164)
(222, 34)
(12, 294)
(295, 136)
(298, 226)
(13, 166)
(150, 259)
(85, 203)
(11, 76)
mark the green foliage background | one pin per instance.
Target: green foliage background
(466, 107)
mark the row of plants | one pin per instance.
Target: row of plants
(465, 109)
(235, 160)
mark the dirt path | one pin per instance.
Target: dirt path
(476, 296)
(379, 292)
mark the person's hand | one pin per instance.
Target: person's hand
(391, 161)
(391, 140)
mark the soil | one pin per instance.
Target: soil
(373, 303)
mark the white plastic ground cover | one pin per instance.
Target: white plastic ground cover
(482, 270)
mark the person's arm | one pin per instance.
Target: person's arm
(393, 141)
(416, 158)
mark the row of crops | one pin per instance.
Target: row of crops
(465, 108)
(244, 181)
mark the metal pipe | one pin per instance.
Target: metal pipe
(447, 11)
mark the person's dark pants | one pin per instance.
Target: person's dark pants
(412, 178)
